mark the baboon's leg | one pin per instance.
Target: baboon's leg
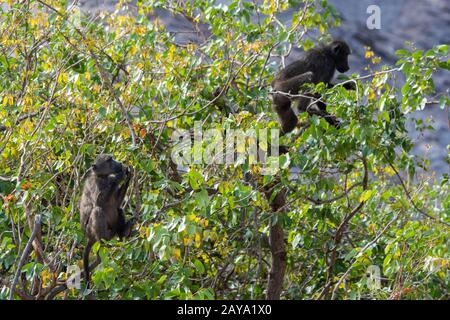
(288, 120)
(293, 84)
(96, 230)
(124, 228)
(282, 103)
(98, 225)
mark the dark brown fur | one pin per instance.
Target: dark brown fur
(315, 66)
(101, 215)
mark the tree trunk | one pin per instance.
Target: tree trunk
(277, 248)
(278, 269)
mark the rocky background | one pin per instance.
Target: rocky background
(423, 22)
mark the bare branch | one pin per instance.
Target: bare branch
(25, 253)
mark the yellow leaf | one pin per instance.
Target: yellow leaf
(63, 77)
(369, 53)
(140, 30)
(205, 258)
(389, 171)
(8, 100)
(133, 50)
(46, 276)
(366, 195)
(142, 133)
(198, 240)
(28, 101)
(187, 241)
(177, 253)
(96, 88)
(26, 185)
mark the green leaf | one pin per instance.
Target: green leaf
(199, 266)
(296, 241)
(202, 198)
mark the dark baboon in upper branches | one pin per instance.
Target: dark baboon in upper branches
(315, 66)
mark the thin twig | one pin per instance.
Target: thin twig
(408, 195)
(25, 253)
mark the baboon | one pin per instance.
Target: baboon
(315, 66)
(101, 215)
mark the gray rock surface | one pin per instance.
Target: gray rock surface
(423, 22)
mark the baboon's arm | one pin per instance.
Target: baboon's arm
(122, 190)
(332, 120)
(347, 85)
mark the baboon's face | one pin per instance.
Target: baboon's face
(105, 165)
(341, 51)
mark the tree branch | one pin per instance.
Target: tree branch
(25, 253)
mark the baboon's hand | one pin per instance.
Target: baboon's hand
(350, 85)
(128, 171)
(119, 175)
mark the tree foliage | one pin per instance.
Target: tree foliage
(74, 85)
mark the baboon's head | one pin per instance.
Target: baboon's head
(105, 165)
(340, 51)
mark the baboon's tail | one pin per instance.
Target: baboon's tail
(87, 250)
